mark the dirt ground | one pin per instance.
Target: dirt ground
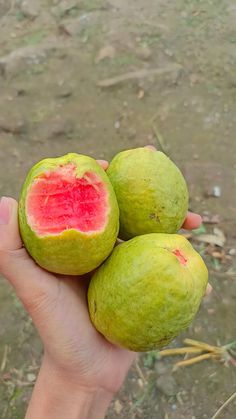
(59, 63)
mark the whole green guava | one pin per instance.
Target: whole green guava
(147, 291)
(68, 214)
(151, 192)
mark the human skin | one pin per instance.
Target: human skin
(80, 370)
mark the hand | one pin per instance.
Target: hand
(77, 359)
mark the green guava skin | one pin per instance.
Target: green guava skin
(142, 297)
(151, 192)
(71, 252)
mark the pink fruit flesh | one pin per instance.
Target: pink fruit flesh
(180, 256)
(57, 200)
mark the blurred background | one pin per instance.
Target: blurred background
(99, 76)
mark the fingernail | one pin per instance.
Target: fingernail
(151, 147)
(5, 211)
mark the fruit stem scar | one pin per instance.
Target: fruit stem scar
(180, 256)
(155, 217)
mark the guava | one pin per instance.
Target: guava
(68, 214)
(151, 192)
(147, 291)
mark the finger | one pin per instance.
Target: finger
(192, 221)
(29, 281)
(9, 233)
(208, 290)
(103, 163)
(151, 147)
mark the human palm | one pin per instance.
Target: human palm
(58, 307)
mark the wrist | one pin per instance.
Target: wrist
(57, 396)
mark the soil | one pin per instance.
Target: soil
(54, 58)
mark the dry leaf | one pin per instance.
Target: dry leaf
(141, 94)
(218, 238)
(219, 233)
(106, 52)
(118, 407)
(31, 377)
(211, 219)
(209, 238)
(217, 255)
(140, 382)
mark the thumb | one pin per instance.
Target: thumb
(9, 233)
(28, 279)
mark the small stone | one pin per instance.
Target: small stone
(64, 93)
(12, 125)
(76, 26)
(23, 57)
(167, 385)
(55, 127)
(232, 252)
(168, 52)
(30, 8)
(117, 125)
(216, 191)
(21, 92)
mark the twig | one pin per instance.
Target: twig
(24, 383)
(140, 372)
(224, 353)
(202, 345)
(139, 74)
(194, 360)
(180, 351)
(224, 405)
(4, 358)
(159, 138)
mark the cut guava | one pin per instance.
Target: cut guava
(68, 214)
